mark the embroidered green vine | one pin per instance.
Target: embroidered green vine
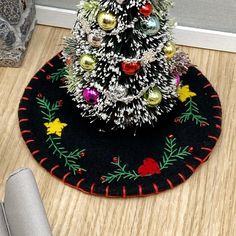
(120, 173)
(59, 74)
(49, 109)
(172, 153)
(54, 130)
(149, 167)
(192, 113)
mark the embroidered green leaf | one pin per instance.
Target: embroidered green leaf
(59, 74)
(70, 158)
(172, 153)
(120, 173)
(192, 113)
(48, 109)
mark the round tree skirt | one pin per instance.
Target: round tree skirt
(89, 157)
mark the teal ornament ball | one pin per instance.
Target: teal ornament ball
(150, 26)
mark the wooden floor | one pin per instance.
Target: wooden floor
(204, 205)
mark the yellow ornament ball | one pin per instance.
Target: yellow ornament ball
(106, 20)
(170, 50)
(153, 97)
(87, 62)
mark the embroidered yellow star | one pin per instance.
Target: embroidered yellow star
(184, 93)
(55, 127)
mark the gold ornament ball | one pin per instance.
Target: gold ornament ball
(106, 20)
(87, 62)
(170, 50)
(153, 97)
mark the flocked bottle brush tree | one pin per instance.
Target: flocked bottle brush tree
(122, 63)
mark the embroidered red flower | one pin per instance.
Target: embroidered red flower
(149, 167)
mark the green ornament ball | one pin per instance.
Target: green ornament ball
(153, 97)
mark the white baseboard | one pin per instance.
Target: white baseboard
(55, 16)
(202, 38)
(188, 36)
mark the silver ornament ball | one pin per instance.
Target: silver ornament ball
(120, 92)
(95, 40)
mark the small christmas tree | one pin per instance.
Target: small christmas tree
(122, 63)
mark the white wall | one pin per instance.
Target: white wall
(202, 23)
(217, 15)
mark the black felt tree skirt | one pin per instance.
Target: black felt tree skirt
(89, 157)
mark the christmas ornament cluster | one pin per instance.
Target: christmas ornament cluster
(122, 63)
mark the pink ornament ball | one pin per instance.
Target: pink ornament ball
(91, 95)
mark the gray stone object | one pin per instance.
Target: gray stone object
(17, 21)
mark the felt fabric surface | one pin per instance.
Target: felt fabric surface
(116, 163)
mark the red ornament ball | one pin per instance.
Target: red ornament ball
(146, 10)
(130, 68)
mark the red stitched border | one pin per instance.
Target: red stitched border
(23, 120)
(22, 109)
(35, 152)
(218, 117)
(140, 190)
(124, 192)
(79, 182)
(43, 160)
(155, 188)
(182, 177)
(107, 189)
(59, 55)
(54, 168)
(50, 64)
(213, 137)
(65, 176)
(199, 159)
(190, 167)
(170, 183)
(29, 141)
(25, 132)
(207, 85)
